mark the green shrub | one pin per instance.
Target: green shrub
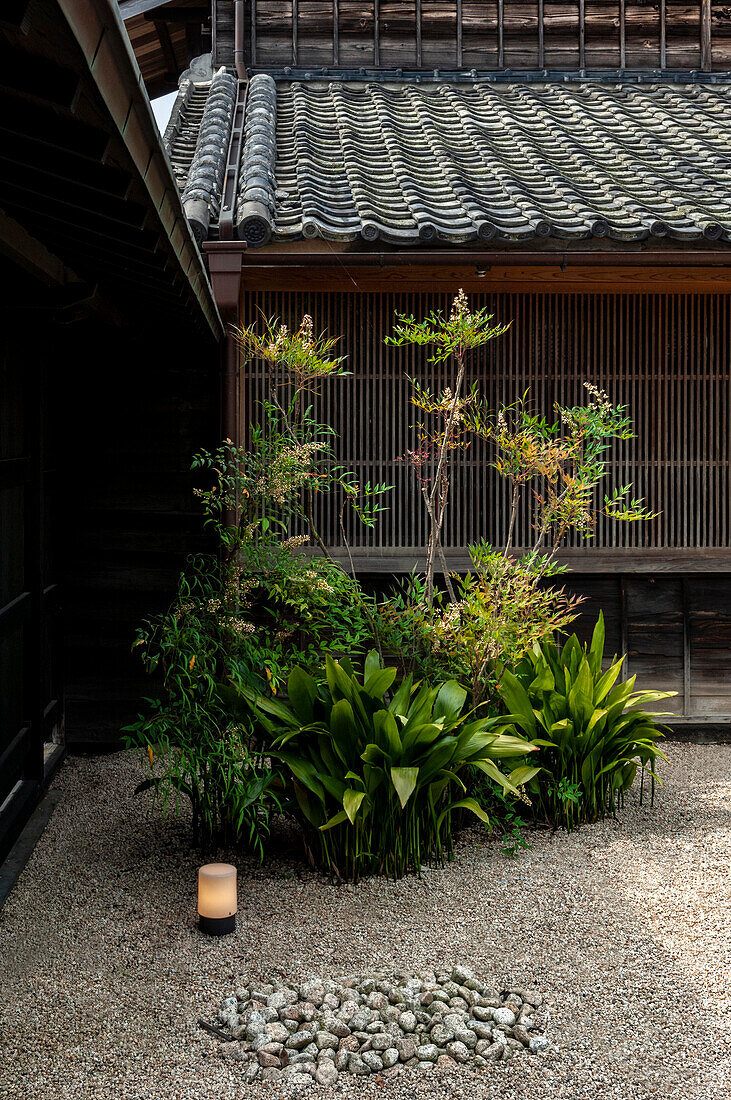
(376, 782)
(193, 745)
(589, 727)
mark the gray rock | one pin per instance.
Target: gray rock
(461, 974)
(271, 1074)
(301, 1058)
(458, 1051)
(252, 1071)
(326, 1073)
(406, 1049)
(380, 1041)
(277, 1032)
(538, 1043)
(533, 997)
(505, 1017)
(326, 1040)
(341, 1060)
(299, 1040)
(482, 1031)
(271, 1048)
(407, 1021)
(312, 992)
(357, 1066)
(389, 1057)
(493, 1053)
(466, 1036)
(428, 1052)
(372, 1060)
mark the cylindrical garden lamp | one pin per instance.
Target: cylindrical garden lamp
(217, 899)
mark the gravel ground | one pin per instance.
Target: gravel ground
(624, 926)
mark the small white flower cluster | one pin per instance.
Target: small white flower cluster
(460, 306)
(599, 397)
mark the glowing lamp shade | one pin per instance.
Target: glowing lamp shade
(217, 898)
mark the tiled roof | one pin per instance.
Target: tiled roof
(407, 162)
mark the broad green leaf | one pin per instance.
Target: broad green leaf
(596, 650)
(494, 772)
(523, 774)
(379, 682)
(517, 702)
(449, 701)
(337, 819)
(464, 804)
(351, 802)
(372, 663)
(404, 781)
(302, 692)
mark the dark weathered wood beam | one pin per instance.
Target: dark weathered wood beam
(31, 255)
(168, 50)
(128, 9)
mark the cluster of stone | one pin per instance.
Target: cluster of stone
(317, 1030)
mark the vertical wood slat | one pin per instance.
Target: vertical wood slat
(376, 33)
(500, 34)
(541, 36)
(622, 34)
(706, 51)
(252, 33)
(459, 33)
(582, 34)
(419, 50)
(336, 33)
(295, 32)
(663, 34)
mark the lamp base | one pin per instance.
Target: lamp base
(217, 926)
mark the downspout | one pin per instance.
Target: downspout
(239, 61)
(225, 259)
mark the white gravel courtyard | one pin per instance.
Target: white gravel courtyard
(625, 927)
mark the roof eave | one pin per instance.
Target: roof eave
(99, 30)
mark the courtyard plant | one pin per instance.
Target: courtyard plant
(376, 773)
(589, 726)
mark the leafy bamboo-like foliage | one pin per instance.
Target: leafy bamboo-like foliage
(589, 727)
(375, 781)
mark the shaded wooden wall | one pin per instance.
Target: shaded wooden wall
(30, 654)
(139, 407)
(482, 34)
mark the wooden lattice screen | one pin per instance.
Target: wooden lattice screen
(665, 356)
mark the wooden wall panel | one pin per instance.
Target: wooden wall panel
(527, 35)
